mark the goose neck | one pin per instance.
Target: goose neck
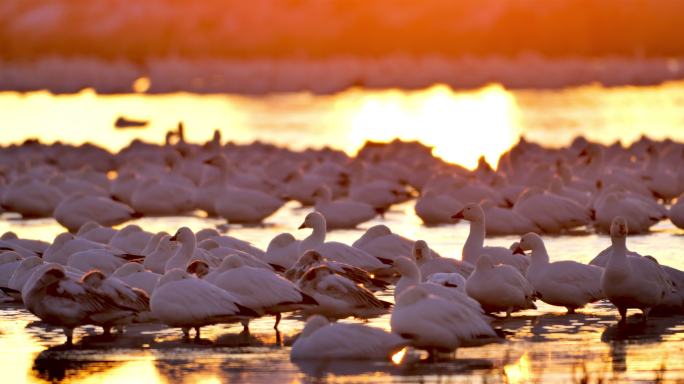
(475, 241)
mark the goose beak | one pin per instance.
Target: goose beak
(174, 237)
(302, 226)
(458, 215)
(518, 251)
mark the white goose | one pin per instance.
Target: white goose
(135, 275)
(187, 251)
(282, 250)
(474, 245)
(339, 297)
(564, 283)
(334, 250)
(21, 275)
(411, 276)
(434, 323)
(78, 209)
(131, 239)
(632, 281)
(9, 262)
(114, 290)
(181, 300)
(322, 340)
(430, 262)
(95, 232)
(499, 287)
(157, 259)
(259, 289)
(162, 196)
(62, 301)
(312, 258)
(342, 213)
(379, 241)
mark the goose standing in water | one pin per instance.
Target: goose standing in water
(260, 289)
(631, 281)
(474, 245)
(181, 300)
(499, 287)
(322, 340)
(61, 301)
(564, 283)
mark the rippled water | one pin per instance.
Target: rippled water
(544, 345)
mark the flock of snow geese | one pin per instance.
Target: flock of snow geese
(95, 274)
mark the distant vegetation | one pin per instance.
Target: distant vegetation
(138, 30)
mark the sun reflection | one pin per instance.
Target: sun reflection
(519, 371)
(460, 126)
(399, 356)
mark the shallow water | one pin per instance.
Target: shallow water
(540, 346)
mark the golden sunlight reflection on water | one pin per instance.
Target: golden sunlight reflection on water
(461, 125)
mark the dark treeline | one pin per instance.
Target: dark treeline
(137, 30)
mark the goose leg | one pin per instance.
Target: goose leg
(186, 332)
(69, 333)
(508, 312)
(197, 333)
(623, 314)
(278, 317)
(645, 313)
(106, 331)
(245, 326)
(571, 310)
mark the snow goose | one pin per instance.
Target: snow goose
(165, 249)
(312, 258)
(436, 324)
(410, 276)
(449, 280)
(322, 340)
(564, 283)
(135, 275)
(229, 242)
(430, 262)
(379, 241)
(25, 247)
(339, 297)
(505, 221)
(9, 262)
(162, 197)
(259, 289)
(379, 194)
(116, 291)
(102, 259)
(78, 209)
(131, 239)
(341, 213)
(187, 251)
(21, 275)
(95, 232)
(639, 214)
(65, 244)
(677, 212)
(435, 207)
(59, 300)
(181, 300)
(499, 287)
(474, 244)
(632, 281)
(282, 250)
(334, 250)
(550, 212)
(31, 198)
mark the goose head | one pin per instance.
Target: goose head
(618, 227)
(183, 235)
(406, 267)
(515, 248)
(313, 220)
(9, 235)
(471, 212)
(530, 241)
(93, 278)
(51, 274)
(314, 323)
(421, 251)
(199, 268)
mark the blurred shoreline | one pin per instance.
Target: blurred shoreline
(326, 76)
